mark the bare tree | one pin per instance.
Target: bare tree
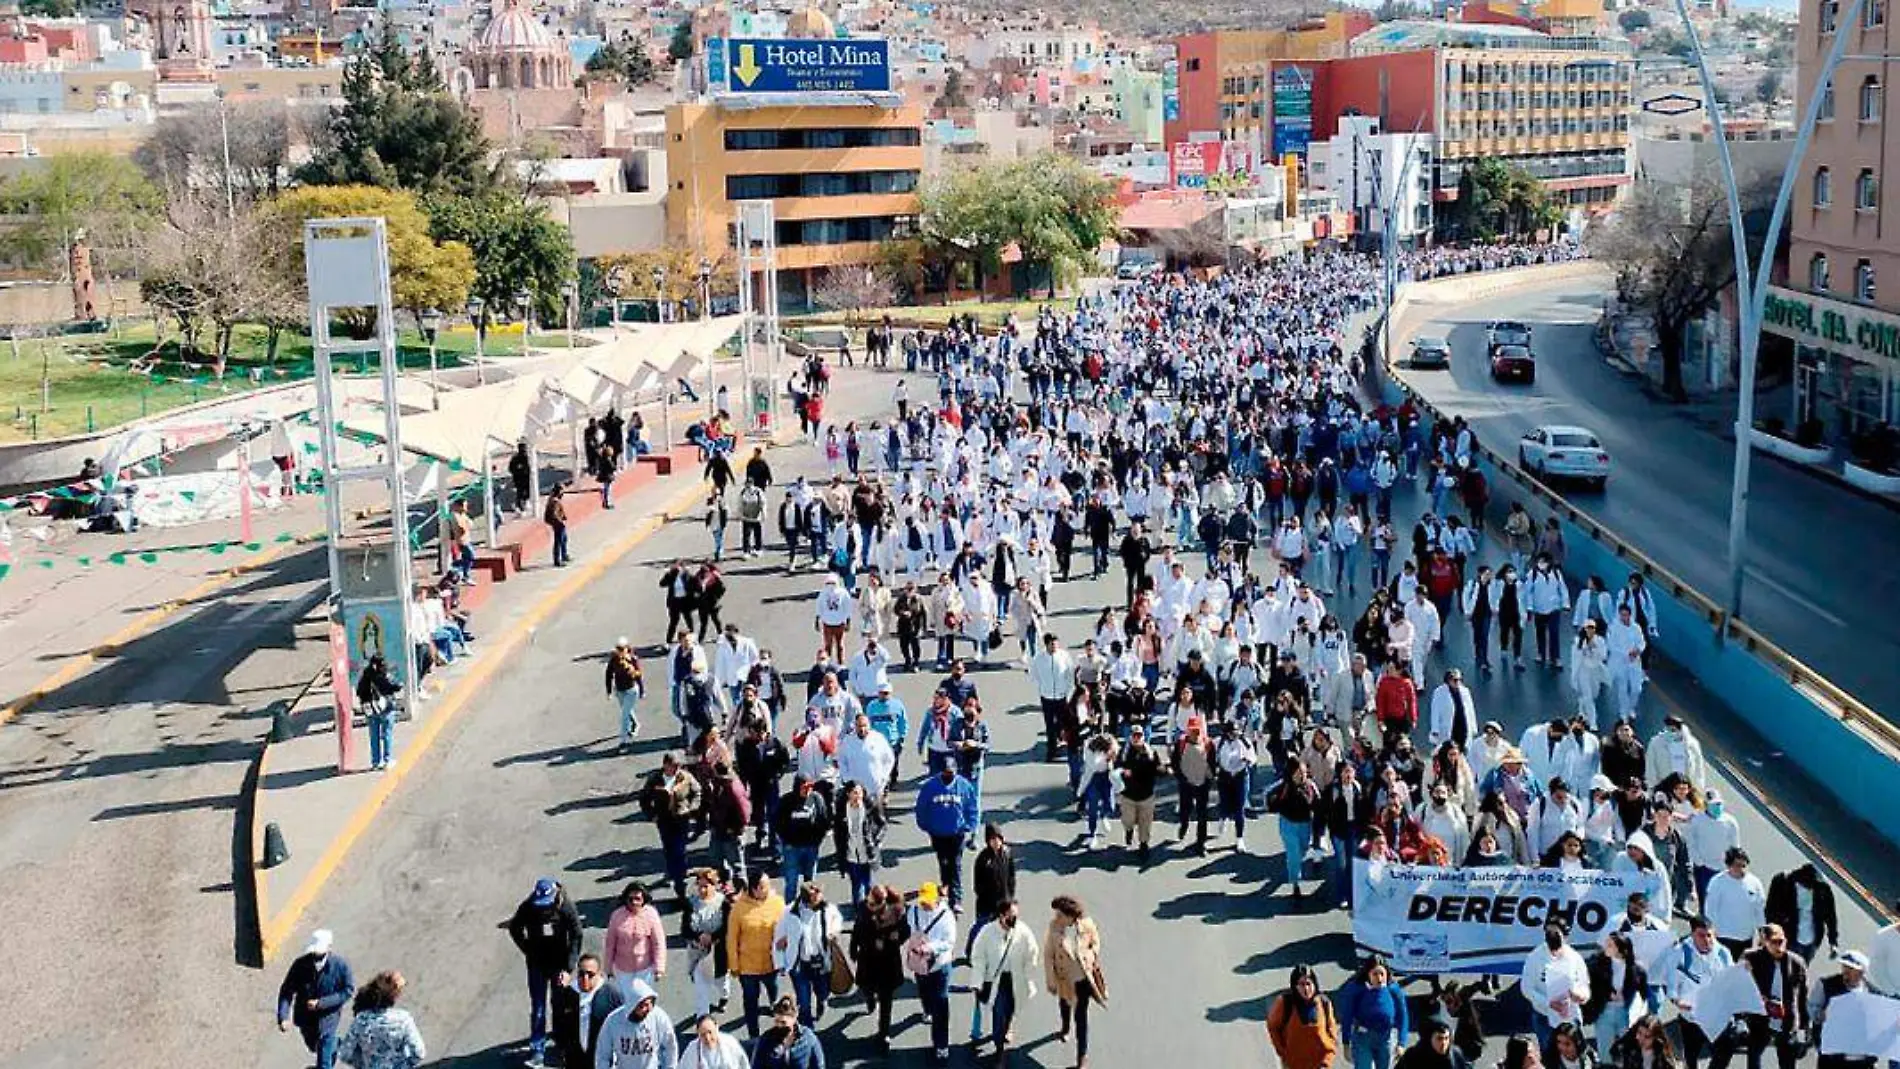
(186, 151)
(1673, 254)
(1202, 243)
(851, 290)
(212, 271)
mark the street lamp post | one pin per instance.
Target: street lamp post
(431, 327)
(224, 135)
(570, 298)
(1751, 283)
(705, 313)
(477, 319)
(659, 295)
(524, 300)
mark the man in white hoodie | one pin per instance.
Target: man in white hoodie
(638, 1035)
(1710, 834)
(1557, 812)
(1427, 629)
(1626, 643)
(1454, 714)
(1674, 750)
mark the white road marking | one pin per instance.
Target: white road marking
(1782, 589)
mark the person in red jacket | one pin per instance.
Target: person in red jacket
(1395, 700)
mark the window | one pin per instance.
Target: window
(1826, 111)
(1874, 13)
(1823, 187)
(825, 137)
(1870, 98)
(1817, 272)
(1864, 280)
(1866, 190)
(1830, 13)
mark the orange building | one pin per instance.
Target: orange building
(1219, 71)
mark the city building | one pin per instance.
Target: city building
(1220, 74)
(1842, 302)
(1557, 106)
(1369, 172)
(1138, 103)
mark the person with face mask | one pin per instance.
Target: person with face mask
(1556, 982)
(638, 1035)
(1675, 751)
(1433, 1049)
(313, 994)
(1547, 597)
(947, 813)
(1710, 834)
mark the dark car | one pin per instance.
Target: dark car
(1430, 353)
(1513, 363)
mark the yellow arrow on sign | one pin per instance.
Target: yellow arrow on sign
(748, 67)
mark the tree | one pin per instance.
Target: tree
(681, 47)
(1768, 90)
(908, 265)
(953, 93)
(399, 128)
(626, 60)
(1633, 19)
(49, 9)
(630, 276)
(1498, 199)
(851, 290)
(1052, 208)
(1202, 244)
(516, 246)
(51, 206)
(211, 269)
(186, 150)
(1673, 253)
(423, 273)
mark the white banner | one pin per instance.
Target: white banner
(1425, 919)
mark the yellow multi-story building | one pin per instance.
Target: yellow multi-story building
(842, 175)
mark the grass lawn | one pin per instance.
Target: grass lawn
(94, 387)
(989, 313)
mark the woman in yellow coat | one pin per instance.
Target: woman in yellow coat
(1072, 967)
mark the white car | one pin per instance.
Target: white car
(1564, 453)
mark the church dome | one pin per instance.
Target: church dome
(810, 22)
(514, 30)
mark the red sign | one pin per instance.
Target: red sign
(341, 694)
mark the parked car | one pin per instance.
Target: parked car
(1513, 363)
(1130, 270)
(1430, 352)
(1564, 453)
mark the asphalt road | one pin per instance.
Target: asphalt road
(526, 784)
(1814, 579)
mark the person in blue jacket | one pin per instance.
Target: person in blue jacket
(788, 1044)
(313, 995)
(1372, 1016)
(946, 811)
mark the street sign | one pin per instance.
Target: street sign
(758, 65)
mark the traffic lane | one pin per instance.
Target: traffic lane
(526, 784)
(116, 815)
(1809, 589)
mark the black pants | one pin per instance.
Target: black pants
(1549, 636)
(751, 536)
(709, 618)
(881, 1001)
(1084, 994)
(911, 646)
(1754, 1038)
(1194, 807)
(1051, 726)
(1511, 637)
(675, 615)
(1695, 1042)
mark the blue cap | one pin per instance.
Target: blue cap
(544, 890)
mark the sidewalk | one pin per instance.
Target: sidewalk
(322, 814)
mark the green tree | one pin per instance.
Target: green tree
(424, 273)
(400, 128)
(1498, 199)
(49, 9)
(1053, 209)
(516, 246)
(627, 60)
(61, 199)
(681, 47)
(1768, 90)
(1633, 19)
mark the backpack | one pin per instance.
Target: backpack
(918, 957)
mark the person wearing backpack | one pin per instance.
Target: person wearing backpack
(751, 519)
(929, 952)
(1302, 1025)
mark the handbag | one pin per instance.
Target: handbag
(996, 638)
(841, 978)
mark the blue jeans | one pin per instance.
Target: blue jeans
(382, 739)
(1295, 837)
(1611, 1024)
(801, 864)
(321, 1044)
(1372, 1048)
(1342, 869)
(1098, 802)
(539, 984)
(629, 701)
(673, 845)
(812, 985)
(1381, 567)
(719, 542)
(561, 555)
(750, 988)
(933, 990)
(860, 875)
(1345, 566)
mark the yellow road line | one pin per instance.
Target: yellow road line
(279, 927)
(79, 664)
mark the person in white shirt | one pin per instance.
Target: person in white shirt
(733, 658)
(1673, 750)
(711, 1048)
(1052, 673)
(1454, 715)
(1439, 817)
(869, 670)
(1710, 834)
(1735, 902)
(1427, 630)
(802, 947)
(1488, 752)
(1883, 958)
(1694, 961)
(1580, 756)
(1558, 812)
(833, 616)
(1626, 644)
(865, 757)
(1556, 983)
(1589, 669)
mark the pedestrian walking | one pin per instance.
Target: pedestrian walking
(315, 989)
(382, 1035)
(878, 936)
(1373, 1017)
(1004, 962)
(751, 946)
(555, 516)
(1072, 963)
(929, 952)
(626, 685)
(546, 929)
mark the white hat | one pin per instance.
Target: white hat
(621, 643)
(320, 941)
